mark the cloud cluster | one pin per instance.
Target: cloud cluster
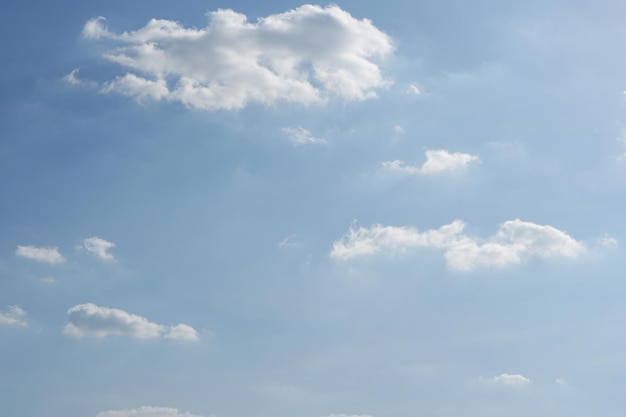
(147, 411)
(306, 55)
(437, 161)
(515, 241)
(299, 136)
(43, 255)
(99, 247)
(13, 316)
(90, 320)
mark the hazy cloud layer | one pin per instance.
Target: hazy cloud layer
(437, 161)
(13, 316)
(44, 255)
(515, 241)
(306, 55)
(92, 321)
(147, 411)
(99, 247)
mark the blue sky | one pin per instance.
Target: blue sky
(338, 210)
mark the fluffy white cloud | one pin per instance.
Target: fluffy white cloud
(515, 242)
(299, 136)
(147, 411)
(306, 55)
(90, 320)
(13, 316)
(99, 247)
(438, 161)
(508, 379)
(44, 255)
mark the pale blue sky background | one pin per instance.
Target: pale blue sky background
(221, 221)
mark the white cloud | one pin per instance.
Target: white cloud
(299, 136)
(438, 161)
(413, 89)
(288, 242)
(90, 320)
(349, 415)
(513, 380)
(13, 316)
(44, 255)
(515, 241)
(147, 411)
(398, 129)
(306, 55)
(99, 247)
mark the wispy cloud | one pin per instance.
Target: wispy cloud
(299, 136)
(233, 62)
(99, 247)
(438, 161)
(13, 316)
(515, 242)
(92, 321)
(147, 411)
(45, 255)
(510, 379)
(413, 89)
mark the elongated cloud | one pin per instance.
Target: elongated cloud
(516, 241)
(438, 161)
(43, 255)
(511, 379)
(99, 247)
(92, 321)
(299, 136)
(13, 316)
(306, 56)
(147, 411)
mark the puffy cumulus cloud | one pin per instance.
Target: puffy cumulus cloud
(90, 320)
(99, 247)
(147, 411)
(515, 241)
(44, 255)
(13, 316)
(306, 55)
(438, 161)
(510, 379)
(299, 136)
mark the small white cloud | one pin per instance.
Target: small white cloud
(398, 129)
(182, 332)
(560, 381)
(13, 316)
(413, 89)
(438, 161)
(306, 55)
(516, 241)
(299, 136)
(608, 241)
(288, 242)
(512, 380)
(349, 415)
(92, 321)
(99, 247)
(147, 411)
(72, 78)
(44, 255)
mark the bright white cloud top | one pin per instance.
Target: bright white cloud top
(99, 247)
(13, 316)
(438, 161)
(147, 411)
(92, 321)
(511, 379)
(306, 55)
(516, 241)
(43, 255)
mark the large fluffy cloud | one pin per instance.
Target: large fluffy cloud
(13, 316)
(305, 55)
(147, 411)
(437, 161)
(514, 242)
(90, 320)
(44, 255)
